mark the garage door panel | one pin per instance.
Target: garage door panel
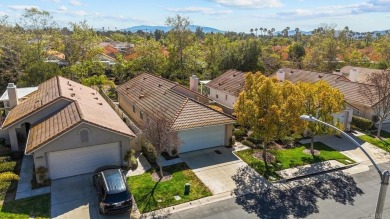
(202, 138)
(83, 160)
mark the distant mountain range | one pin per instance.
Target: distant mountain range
(147, 28)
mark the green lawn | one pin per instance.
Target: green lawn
(288, 158)
(384, 144)
(38, 206)
(141, 187)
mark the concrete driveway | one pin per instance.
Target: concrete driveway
(75, 197)
(218, 171)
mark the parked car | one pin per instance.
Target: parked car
(111, 188)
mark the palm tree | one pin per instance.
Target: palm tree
(261, 31)
(251, 30)
(265, 30)
(296, 33)
(287, 29)
(256, 31)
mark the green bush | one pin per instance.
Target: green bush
(7, 166)
(288, 141)
(5, 151)
(133, 163)
(5, 159)
(8, 176)
(254, 139)
(150, 152)
(239, 134)
(362, 123)
(248, 143)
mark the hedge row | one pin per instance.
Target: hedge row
(362, 123)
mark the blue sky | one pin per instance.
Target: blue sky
(233, 15)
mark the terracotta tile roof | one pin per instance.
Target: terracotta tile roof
(46, 94)
(85, 105)
(350, 89)
(154, 94)
(61, 122)
(110, 51)
(363, 72)
(232, 82)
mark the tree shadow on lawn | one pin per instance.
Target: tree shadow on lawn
(297, 198)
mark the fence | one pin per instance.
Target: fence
(121, 114)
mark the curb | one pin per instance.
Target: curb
(315, 174)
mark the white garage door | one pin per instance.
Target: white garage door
(83, 160)
(201, 138)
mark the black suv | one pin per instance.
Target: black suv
(110, 184)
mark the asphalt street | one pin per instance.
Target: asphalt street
(330, 195)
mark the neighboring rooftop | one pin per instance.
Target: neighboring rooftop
(363, 73)
(22, 92)
(351, 90)
(231, 82)
(154, 94)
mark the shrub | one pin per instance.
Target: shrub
(232, 141)
(288, 141)
(150, 152)
(7, 166)
(133, 163)
(248, 143)
(5, 151)
(239, 134)
(5, 159)
(362, 123)
(41, 173)
(8, 176)
(2, 141)
(254, 139)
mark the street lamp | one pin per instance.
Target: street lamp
(384, 175)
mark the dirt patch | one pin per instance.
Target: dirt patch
(316, 152)
(259, 155)
(156, 176)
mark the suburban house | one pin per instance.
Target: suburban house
(67, 127)
(198, 125)
(22, 93)
(356, 102)
(357, 74)
(226, 88)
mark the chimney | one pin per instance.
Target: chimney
(353, 74)
(280, 75)
(194, 81)
(12, 95)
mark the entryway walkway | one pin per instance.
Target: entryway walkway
(24, 189)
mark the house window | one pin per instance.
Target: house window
(133, 108)
(216, 95)
(141, 115)
(226, 97)
(84, 136)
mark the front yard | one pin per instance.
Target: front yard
(383, 144)
(38, 206)
(151, 195)
(288, 158)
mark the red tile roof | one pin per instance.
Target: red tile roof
(85, 105)
(231, 82)
(154, 94)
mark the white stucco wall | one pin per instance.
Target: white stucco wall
(223, 98)
(72, 140)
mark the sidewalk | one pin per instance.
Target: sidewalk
(24, 189)
(143, 166)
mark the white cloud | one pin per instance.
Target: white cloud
(2, 13)
(78, 13)
(202, 10)
(250, 4)
(21, 7)
(62, 8)
(75, 3)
